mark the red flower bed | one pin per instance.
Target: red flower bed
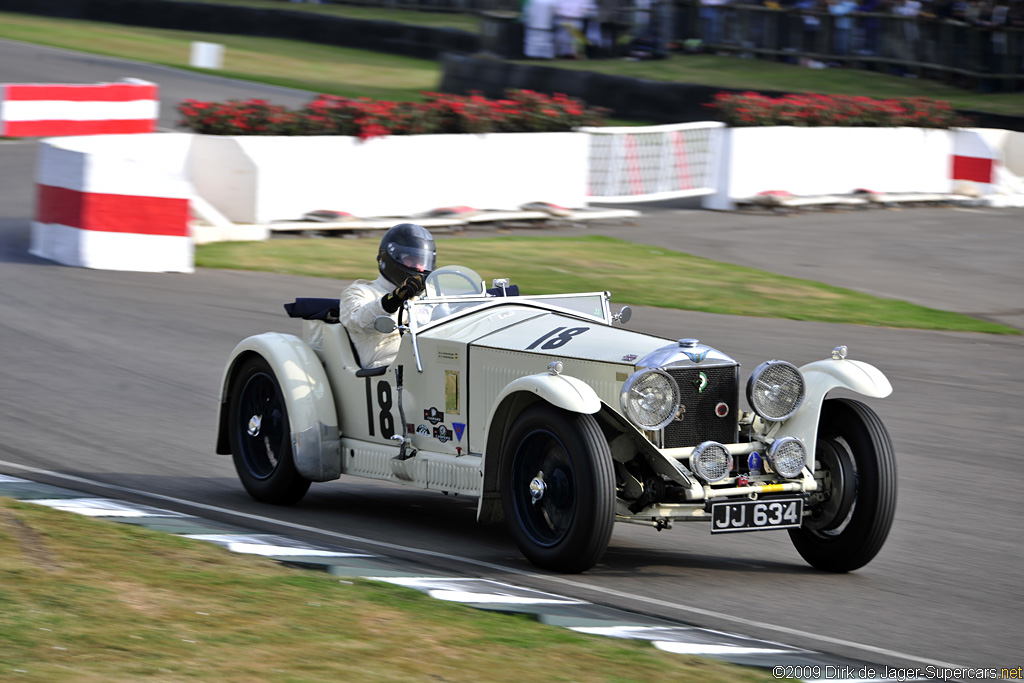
(755, 109)
(519, 111)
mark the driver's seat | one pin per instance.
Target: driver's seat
(328, 310)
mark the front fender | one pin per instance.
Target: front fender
(566, 392)
(312, 416)
(822, 377)
(563, 391)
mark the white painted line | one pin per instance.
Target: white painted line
(709, 649)
(104, 507)
(269, 546)
(477, 591)
(635, 597)
(636, 632)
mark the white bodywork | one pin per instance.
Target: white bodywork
(470, 365)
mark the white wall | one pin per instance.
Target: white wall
(253, 179)
(824, 161)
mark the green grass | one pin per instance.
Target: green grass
(347, 72)
(463, 22)
(90, 601)
(634, 273)
(290, 63)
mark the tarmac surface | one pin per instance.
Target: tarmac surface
(113, 378)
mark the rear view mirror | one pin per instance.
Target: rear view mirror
(385, 324)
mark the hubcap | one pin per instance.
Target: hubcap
(537, 488)
(839, 487)
(543, 487)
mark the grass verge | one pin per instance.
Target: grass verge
(635, 273)
(288, 63)
(85, 600)
(340, 71)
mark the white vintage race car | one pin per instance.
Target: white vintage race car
(562, 423)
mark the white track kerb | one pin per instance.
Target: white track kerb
(484, 593)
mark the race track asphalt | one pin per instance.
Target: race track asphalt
(113, 376)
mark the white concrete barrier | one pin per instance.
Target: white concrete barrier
(123, 202)
(255, 179)
(38, 110)
(990, 162)
(829, 161)
(114, 202)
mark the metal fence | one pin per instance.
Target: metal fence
(958, 52)
(953, 51)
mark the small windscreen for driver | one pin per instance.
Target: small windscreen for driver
(411, 257)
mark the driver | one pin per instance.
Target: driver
(405, 258)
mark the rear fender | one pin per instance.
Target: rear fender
(822, 377)
(316, 444)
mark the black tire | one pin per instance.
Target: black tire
(260, 435)
(849, 524)
(568, 526)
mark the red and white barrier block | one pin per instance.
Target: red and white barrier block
(38, 110)
(120, 202)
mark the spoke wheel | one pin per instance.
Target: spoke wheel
(558, 488)
(851, 516)
(260, 436)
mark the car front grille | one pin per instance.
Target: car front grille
(700, 421)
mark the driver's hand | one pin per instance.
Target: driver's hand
(412, 286)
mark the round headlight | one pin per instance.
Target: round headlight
(775, 390)
(711, 461)
(786, 456)
(650, 399)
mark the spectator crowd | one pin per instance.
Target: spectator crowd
(983, 36)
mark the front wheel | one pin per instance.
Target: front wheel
(851, 514)
(261, 438)
(558, 488)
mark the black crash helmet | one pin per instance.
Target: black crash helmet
(406, 249)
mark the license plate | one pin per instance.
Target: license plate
(756, 515)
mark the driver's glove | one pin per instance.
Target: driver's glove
(412, 286)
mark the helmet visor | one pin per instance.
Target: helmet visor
(413, 258)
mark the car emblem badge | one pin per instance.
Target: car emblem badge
(460, 428)
(701, 383)
(742, 480)
(697, 356)
(423, 429)
(442, 434)
(629, 357)
(754, 463)
(433, 415)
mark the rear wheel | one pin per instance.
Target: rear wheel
(261, 439)
(558, 488)
(852, 513)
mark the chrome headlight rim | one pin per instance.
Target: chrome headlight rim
(779, 464)
(700, 469)
(667, 412)
(753, 398)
